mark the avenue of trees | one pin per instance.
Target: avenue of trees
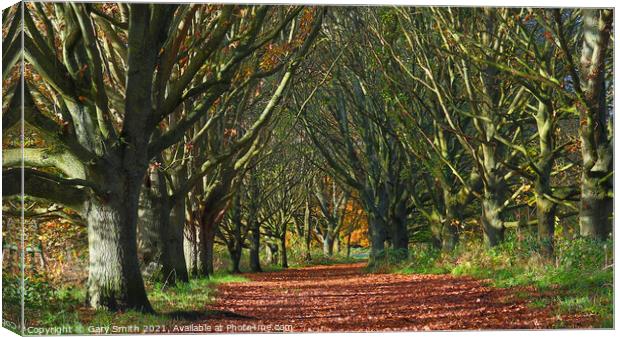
(169, 130)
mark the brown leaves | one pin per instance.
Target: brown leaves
(343, 298)
(274, 54)
(230, 133)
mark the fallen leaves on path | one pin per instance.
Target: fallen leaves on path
(344, 298)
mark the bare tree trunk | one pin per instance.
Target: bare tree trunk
(436, 226)
(235, 244)
(450, 233)
(235, 257)
(545, 208)
(492, 200)
(349, 245)
(377, 236)
(114, 278)
(492, 224)
(160, 231)
(236, 261)
(400, 233)
(255, 247)
(174, 268)
(149, 225)
(494, 191)
(271, 250)
(328, 244)
(203, 270)
(307, 232)
(191, 247)
(283, 249)
(494, 186)
(337, 243)
(595, 218)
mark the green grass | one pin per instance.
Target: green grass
(181, 303)
(188, 296)
(578, 279)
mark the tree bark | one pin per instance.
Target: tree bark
(492, 224)
(436, 226)
(160, 230)
(149, 226)
(235, 242)
(114, 279)
(283, 250)
(545, 208)
(235, 258)
(349, 245)
(191, 248)
(400, 233)
(255, 247)
(174, 268)
(208, 248)
(271, 250)
(450, 235)
(377, 236)
(209, 221)
(337, 243)
(307, 233)
(595, 218)
(328, 243)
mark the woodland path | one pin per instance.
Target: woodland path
(345, 298)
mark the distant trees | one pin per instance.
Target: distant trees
(348, 124)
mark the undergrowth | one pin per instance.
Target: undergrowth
(183, 302)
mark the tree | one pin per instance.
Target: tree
(233, 231)
(332, 202)
(589, 84)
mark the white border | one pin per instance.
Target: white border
(495, 3)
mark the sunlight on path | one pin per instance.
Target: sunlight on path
(344, 298)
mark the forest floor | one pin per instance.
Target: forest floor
(345, 297)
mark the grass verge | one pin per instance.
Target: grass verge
(578, 279)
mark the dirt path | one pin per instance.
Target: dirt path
(344, 298)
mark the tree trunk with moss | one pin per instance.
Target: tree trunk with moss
(596, 212)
